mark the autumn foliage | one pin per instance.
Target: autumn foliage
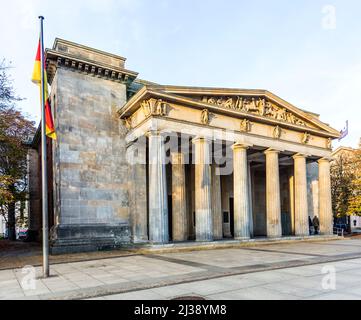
(346, 183)
(15, 131)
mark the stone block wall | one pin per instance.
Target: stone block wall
(137, 186)
(91, 169)
(34, 207)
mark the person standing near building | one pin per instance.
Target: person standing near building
(316, 224)
(310, 225)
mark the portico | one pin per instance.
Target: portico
(227, 171)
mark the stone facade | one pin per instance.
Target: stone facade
(34, 190)
(137, 162)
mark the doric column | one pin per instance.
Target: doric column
(179, 198)
(325, 202)
(203, 201)
(158, 199)
(191, 201)
(301, 205)
(291, 182)
(250, 200)
(216, 204)
(241, 196)
(273, 199)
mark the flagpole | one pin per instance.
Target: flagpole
(43, 160)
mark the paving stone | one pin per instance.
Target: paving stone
(194, 273)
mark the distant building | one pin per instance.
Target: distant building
(355, 222)
(2, 226)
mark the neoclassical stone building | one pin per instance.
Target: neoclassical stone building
(137, 162)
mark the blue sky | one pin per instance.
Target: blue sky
(287, 47)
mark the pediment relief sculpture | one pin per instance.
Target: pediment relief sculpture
(153, 107)
(258, 106)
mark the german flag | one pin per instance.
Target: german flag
(36, 78)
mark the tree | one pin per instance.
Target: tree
(346, 184)
(15, 130)
(7, 92)
(341, 184)
(354, 204)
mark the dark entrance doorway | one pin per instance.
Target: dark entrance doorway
(170, 220)
(231, 215)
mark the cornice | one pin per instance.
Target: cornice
(56, 59)
(87, 48)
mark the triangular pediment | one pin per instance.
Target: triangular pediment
(259, 105)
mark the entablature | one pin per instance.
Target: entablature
(256, 113)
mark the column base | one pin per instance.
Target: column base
(302, 234)
(274, 236)
(204, 240)
(158, 243)
(180, 240)
(139, 240)
(242, 238)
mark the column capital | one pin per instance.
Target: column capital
(272, 150)
(198, 139)
(325, 160)
(239, 145)
(152, 133)
(300, 156)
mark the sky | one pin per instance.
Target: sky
(308, 52)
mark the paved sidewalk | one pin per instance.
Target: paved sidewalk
(277, 271)
(299, 283)
(17, 254)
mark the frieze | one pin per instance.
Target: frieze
(306, 138)
(257, 106)
(329, 143)
(205, 117)
(128, 122)
(277, 131)
(245, 125)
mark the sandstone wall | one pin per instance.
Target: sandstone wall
(34, 208)
(91, 170)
